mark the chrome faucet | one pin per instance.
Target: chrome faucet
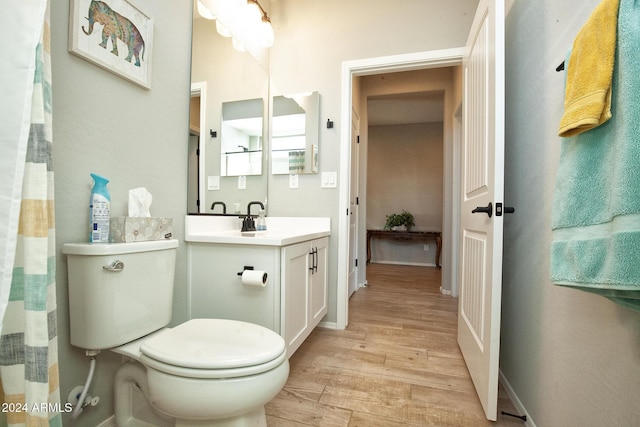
(248, 224)
(224, 207)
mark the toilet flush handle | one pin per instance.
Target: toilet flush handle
(116, 265)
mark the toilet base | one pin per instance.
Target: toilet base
(255, 418)
(243, 392)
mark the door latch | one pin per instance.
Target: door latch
(506, 209)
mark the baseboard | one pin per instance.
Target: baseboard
(109, 422)
(417, 264)
(328, 325)
(516, 401)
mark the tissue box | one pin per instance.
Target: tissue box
(134, 229)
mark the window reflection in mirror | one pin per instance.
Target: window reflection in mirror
(241, 138)
(295, 131)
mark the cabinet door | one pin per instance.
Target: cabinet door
(318, 284)
(295, 297)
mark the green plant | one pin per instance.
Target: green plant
(394, 220)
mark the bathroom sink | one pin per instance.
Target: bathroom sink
(280, 231)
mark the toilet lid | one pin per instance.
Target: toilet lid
(214, 344)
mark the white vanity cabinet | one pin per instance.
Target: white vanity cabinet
(304, 290)
(294, 299)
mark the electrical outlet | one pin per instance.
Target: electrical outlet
(242, 182)
(426, 248)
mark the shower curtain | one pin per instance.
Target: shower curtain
(28, 340)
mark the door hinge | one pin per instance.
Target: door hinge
(198, 203)
(357, 200)
(358, 139)
(356, 262)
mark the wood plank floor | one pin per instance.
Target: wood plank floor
(397, 363)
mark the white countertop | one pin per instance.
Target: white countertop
(281, 231)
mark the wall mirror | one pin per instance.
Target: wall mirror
(241, 137)
(231, 81)
(295, 130)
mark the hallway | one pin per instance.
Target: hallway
(397, 363)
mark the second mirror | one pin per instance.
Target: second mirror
(295, 132)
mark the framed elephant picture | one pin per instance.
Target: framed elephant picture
(114, 35)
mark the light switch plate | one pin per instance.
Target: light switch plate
(293, 180)
(213, 183)
(329, 180)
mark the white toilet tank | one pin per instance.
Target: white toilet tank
(119, 292)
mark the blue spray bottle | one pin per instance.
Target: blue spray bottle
(99, 210)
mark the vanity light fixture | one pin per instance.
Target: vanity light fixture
(245, 21)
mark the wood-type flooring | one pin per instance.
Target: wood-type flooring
(396, 364)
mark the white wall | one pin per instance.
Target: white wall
(572, 358)
(134, 137)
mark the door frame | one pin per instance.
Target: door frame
(200, 89)
(370, 66)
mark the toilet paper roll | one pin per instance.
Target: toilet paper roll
(254, 278)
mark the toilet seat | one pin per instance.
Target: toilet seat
(214, 348)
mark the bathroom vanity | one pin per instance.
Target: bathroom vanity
(294, 254)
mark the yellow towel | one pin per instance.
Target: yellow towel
(587, 101)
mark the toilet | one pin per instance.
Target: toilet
(203, 372)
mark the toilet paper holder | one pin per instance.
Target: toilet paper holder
(246, 267)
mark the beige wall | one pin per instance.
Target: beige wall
(405, 171)
(572, 358)
(426, 204)
(133, 136)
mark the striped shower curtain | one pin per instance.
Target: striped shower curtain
(28, 341)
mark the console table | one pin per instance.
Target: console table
(406, 236)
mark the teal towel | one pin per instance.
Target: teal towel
(596, 206)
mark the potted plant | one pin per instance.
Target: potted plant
(402, 221)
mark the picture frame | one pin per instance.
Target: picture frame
(95, 26)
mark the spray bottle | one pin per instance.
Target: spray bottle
(99, 210)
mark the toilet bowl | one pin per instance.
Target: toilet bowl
(207, 372)
(203, 372)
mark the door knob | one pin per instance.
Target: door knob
(484, 209)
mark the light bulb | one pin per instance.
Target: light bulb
(204, 11)
(266, 34)
(237, 45)
(252, 13)
(222, 30)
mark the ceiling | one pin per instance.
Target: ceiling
(406, 108)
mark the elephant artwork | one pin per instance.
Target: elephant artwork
(115, 26)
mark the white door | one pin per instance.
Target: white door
(482, 187)
(353, 203)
